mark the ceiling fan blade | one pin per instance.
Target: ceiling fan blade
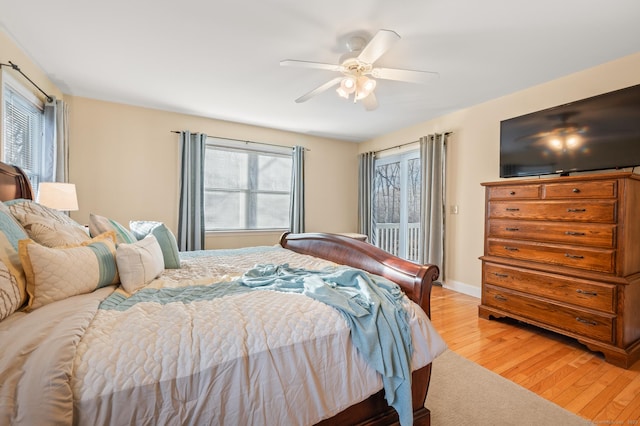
(379, 44)
(308, 64)
(370, 102)
(410, 76)
(319, 89)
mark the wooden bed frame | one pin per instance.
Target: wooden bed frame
(415, 280)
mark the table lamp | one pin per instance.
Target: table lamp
(58, 195)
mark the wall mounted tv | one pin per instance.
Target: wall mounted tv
(597, 133)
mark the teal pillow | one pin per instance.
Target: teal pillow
(100, 224)
(166, 239)
(10, 227)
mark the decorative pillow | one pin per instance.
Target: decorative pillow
(52, 233)
(13, 289)
(10, 227)
(99, 224)
(165, 237)
(11, 293)
(139, 263)
(57, 273)
(21, 206)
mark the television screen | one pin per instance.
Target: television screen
(601, 132)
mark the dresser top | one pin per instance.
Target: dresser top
(563, 179)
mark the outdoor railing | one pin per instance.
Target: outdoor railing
(388, 239)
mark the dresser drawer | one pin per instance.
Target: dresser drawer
(584, 293)
(590, 259)
(583, 322)
(516, 192)
(592, 235)
(593, 189)
(577, 211)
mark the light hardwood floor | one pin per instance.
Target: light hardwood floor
(553, 366)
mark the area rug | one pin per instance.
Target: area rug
(464, 393)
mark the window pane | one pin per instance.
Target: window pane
(23, 132)
(387, 193)
(274, 173)
(225, 210)
(246, 189)
(414, 184)
(226, 169)
(272, 211)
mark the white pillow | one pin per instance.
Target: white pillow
(139, 263)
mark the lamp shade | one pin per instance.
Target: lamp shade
(57, 195)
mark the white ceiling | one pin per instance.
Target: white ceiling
(220, 58)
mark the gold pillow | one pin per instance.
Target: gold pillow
(58, 273)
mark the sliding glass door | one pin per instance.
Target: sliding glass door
(397, 204)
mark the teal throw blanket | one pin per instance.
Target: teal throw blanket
(371, 305)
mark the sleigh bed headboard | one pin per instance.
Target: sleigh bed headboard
(14, 183)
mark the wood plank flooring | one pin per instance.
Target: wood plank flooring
(555, 367)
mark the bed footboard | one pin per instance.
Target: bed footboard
(415, 280)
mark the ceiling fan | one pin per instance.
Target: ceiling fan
(358, 71)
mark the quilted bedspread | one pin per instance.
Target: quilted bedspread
(182, 351)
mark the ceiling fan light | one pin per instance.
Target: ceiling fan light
(365, 87)
(343, 93)
(348, 84)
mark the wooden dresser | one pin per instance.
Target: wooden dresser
(564, 254)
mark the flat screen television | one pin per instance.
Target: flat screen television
(597, 133)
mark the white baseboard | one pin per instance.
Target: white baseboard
(461, 287)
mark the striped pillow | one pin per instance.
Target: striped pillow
(58, 273)
(11, 296)
(13, 290)
(166, 239)
(100, 224)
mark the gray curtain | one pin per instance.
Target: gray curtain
(296, 214)
(366, 176)
(432, 214)
(49, 150)
(62, 141)
(191, 208)
(55, 167)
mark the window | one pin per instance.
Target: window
(23, 121)
(396, 201)
(247, 186)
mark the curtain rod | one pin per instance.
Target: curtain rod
(248, 142)
(17, 68)
(403, 145)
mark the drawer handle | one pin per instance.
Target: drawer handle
(512, 209)
(512, 229)
(511, 248)
(586, 321)
(500, 298)
(512, 193)
(586, 293)
(498, 274)
(574, 234)
(576, 210)
(573, 256)
(575, 190)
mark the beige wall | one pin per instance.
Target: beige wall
(473, 155)
(124, 162)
